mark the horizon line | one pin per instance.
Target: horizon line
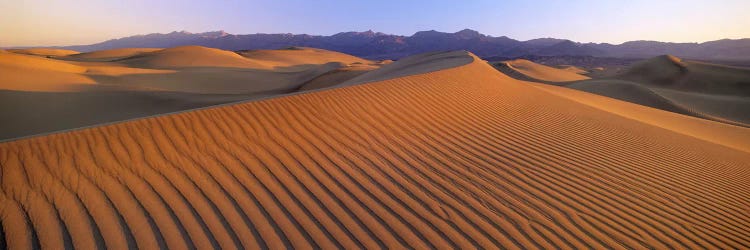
(369, 30)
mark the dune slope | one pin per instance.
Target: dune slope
(109, 55)
(709, 91)
(45, 52)
(463, 157)
(41, 95)
(529, 71)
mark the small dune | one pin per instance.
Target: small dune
(301, 56)
(456, 155)
(573, 69)
(529, 71)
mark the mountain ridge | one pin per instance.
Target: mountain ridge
(378, 45)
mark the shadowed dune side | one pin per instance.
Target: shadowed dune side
(301, 56)
(44, 112)
(109, 55)
(573, 69)
(417, 64)
(42, 95)
(45, 52)
(674, 73)
(334, 77)
(733, 109)
(727, 109)
(709, 91)
(464, 157)
(526, 70)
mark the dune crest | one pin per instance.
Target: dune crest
(461, 157)
(529, 71)
(109, 55)
(46, 52)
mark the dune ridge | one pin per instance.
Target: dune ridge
(40, 95)
(462, 157)
(109, 55)
(526, 70)
(47, 52)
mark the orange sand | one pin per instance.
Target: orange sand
(464, 157)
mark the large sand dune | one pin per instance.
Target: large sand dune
(463, 157)
(39, 95)
(715, 92)
(529, 71)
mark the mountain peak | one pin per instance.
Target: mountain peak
(468, 33)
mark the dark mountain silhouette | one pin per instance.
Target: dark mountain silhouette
(377, 45)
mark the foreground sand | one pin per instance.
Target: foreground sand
(462, 157)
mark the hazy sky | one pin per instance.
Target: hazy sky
(58, 22)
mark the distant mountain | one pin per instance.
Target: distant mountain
(377, 45)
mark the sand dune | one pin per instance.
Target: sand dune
(708, 91)
(335, 77)
(190, 56)
(727, 109)
(672, 72)
(573, 69)
(461, 157)
(109, 55)
(41, 95)
(45, 52)
(529, 71)
(33, 73)
(417, 64)
(296, 56)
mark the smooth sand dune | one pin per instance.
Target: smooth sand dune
(463, 157)
(674, 73)
(45, 52)
(529, 71)
(33, 73)
(335, 77)
(296, 56)
(574, 69)
(708, 91)
(42, 95)
(728, 109)
(417, 64)
(190, 56)
(109, 55)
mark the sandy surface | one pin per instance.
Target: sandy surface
(40, 95)
(109, 55)
(463, 157)
(709, 91)
(45, 52)
(529, 71)
(573, 69)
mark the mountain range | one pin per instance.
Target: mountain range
(377, 45)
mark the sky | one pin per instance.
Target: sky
(73, 22)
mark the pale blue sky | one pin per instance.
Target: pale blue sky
(55, 22)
